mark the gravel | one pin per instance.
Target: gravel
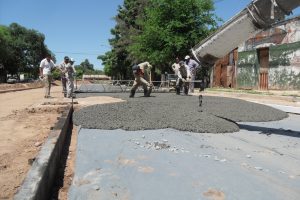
(162, 110)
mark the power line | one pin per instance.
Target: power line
(79, 53)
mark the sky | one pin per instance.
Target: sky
(80, 29)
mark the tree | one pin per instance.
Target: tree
(22, 50)
(171, 29)
(86, 68)
(5, 52)
(156, 31)
(87, 65)
(117, 62)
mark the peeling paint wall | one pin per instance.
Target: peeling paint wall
(283, 42)
(248, 70)
(284, 71)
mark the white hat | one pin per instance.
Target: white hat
(72, 60)
(187, 57)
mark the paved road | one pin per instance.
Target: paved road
(261, 161)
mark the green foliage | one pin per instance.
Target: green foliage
(86, 65)
(117, 62)
(21, 49)
(86, 68)
(56, 74)
(156, 31)
(171, 29)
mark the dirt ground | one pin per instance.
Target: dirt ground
(25, 125)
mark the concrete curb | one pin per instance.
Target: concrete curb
(40, 178)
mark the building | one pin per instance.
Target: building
(269, 60)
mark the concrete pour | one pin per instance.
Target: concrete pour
(216, 115)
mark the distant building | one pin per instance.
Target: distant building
(269, 60)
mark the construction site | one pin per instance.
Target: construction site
(238, 138)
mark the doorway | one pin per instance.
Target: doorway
(263, 60)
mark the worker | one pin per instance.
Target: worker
(175, 66)
(69, 74)
(46, 66)
(72, 61)
(62, 68)
(193, 65)
(142, 75)
(183, 78)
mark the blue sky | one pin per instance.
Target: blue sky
(81, 28)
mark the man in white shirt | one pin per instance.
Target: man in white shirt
(46, 66)
(193, 65)
(183, 78)
(176, 66)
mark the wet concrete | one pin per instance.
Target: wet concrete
(216, 115)
(261, 161)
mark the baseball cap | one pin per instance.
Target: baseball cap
(66, 58)
(187, 57)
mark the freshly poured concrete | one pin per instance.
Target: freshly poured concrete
(216, 115)
(261, 161)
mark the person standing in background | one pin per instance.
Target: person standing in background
(193, 65)
(183, 78)
(46, 67)
(69, 74)
(62, 68)
(175, 66)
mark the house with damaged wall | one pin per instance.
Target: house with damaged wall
(269, 60)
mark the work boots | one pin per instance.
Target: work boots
(145, 92)
(177, 90)
(132, 92)
(186, 90)
(148, 92)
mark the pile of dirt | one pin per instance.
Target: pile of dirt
(216, 115)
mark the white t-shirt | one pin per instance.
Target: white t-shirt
(175, 68)
(47, 66)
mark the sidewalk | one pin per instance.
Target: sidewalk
(287, 98)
